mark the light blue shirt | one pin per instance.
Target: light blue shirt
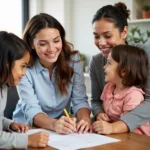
(39, 94)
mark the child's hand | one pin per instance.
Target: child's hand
(102, 116)
(39, 139)
(19, 127)
(102, 127)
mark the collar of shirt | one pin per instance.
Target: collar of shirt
(39, 68)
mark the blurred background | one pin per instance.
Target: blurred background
(76, 17)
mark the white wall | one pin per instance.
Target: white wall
(52, 7)
(11, 16)
(60, 9)
(55, 8)
(83, 12)
(82, 32)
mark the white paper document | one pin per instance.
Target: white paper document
(75, 141)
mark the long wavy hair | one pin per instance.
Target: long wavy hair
(12, 48)
(63, 72)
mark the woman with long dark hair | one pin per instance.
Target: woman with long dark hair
(54, 80)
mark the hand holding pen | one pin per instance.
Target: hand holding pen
(74, 119)
(65, 125)
(83, 126)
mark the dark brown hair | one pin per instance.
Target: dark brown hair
(12, 48)
(63, 72)
(133, 62)
(117, 14)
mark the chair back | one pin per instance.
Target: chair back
(12, 99)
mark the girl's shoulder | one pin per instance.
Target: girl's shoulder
(134, 96)
(132, 93)
(134, 90)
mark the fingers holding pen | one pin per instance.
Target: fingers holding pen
(65, 125)
(70, 124)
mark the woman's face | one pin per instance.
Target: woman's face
(18, 70)
(106, 36)
(48, 45)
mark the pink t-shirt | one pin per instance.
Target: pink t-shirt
(115, 105)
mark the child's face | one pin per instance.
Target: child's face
(110, 70)
(18, 70)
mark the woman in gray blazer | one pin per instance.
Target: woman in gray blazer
(110, 28)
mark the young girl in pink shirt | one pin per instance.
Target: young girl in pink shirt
(126, 71)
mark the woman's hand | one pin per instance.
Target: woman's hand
(102, 116)
(19, 127)
(39, 139)
(83, 126)
(102, 127)
(65, 125)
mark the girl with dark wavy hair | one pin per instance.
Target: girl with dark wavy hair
(54, 80)
(14, 57)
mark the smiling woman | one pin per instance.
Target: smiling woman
(110, 29)
(48, 45)
(54, 80)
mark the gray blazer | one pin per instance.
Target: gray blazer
(9, 140)
(134, 118)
